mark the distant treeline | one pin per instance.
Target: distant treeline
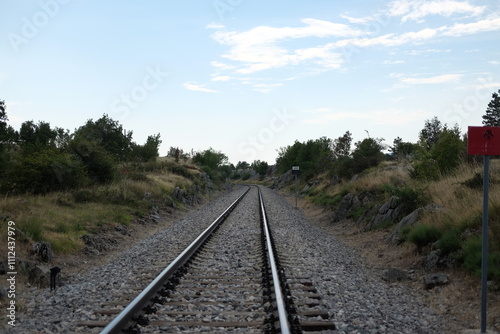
(439, 151)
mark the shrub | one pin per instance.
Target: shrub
(245, 176)
(472, 249)
(83, 196)
(411, 198)
(450, 241)
(33, 228)
(423, 234)
(43, 171)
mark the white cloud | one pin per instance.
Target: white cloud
(266, 88)
(258, 49)
(419, 52)
(393, 62)
(221, 66)
(215, 25)
(459, 29)
(361, 20)
(438, 79)
(494, 62)
(221, 78)
(416, 10)
(198, 88)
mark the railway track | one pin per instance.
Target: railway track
(228, 280)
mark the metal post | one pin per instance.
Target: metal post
(296, 194)
(484, 264)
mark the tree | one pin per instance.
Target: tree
(401, 149)
(492, 116)
(148, 151)
(368, 153)
(242, 165)
(260, 167)
(342, 146)
(210, 158)
(109, 134)
(431, 132)
(449, 151)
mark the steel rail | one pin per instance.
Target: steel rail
(280, 301)
(136, 306)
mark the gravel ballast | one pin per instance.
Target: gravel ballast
(359, 301)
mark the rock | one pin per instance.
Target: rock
(95, 245)
(283, 180)
(3, 270)
(436, 260)
(122, 229)
(348, 202)
(388, 212)
(3, 293)
(431, 261)
(43, 251)
(436, 279)
(37, 275)
(408, 220)
(394, 275)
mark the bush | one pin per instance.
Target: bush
(411, 198)
(83, 196)
(423, 234)
(450, 241)
(473, 258)
(44, 171)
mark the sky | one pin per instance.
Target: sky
(247, 78)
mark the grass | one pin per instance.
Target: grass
(453, 226)
(63, 218)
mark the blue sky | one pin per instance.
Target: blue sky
(248, 77)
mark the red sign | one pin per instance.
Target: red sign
(483, 140)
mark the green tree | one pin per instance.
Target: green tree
(368, 153)
(40, 134)
(492, 116)
(7, 136)
(342, 146)
(214, 163)
(44, 170)
(401, 149)
(109, 134)
(242, 165)
(431, 132)
(148, 151)
(449, 151)
(260, 167)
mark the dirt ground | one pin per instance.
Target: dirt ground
(458, 302)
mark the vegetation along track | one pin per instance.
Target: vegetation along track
(223, 282)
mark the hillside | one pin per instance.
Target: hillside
(71, 228)
(406, 229)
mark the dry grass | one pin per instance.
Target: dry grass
(63, 218)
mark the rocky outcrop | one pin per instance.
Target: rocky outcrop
(409, 220)
(433, 280)
(388, 212)
(37, 275)
(43, 251)
(282, 180)
(94, 245)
